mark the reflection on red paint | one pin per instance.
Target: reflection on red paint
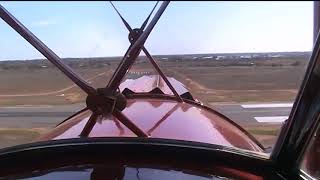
(167, 119)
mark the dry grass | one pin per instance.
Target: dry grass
(209, 81)
(241, 84)
(14, 136)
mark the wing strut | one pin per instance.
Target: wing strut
(134, 34)
(101, 101)
(44, 50)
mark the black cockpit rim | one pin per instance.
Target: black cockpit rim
(57, 153)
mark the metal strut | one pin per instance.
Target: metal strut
(100, 101)
(133, 35)
(45, 51)
(127, 61)
(128, 26)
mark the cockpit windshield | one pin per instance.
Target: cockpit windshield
(224, 73)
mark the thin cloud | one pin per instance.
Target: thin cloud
(44, 23)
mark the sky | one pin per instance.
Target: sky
(93, 29)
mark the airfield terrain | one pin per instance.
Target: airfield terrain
(35, 96)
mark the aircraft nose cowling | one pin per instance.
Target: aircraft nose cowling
(163, 118)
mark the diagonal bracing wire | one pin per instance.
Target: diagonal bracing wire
(134, 50)
(131, 54)
(56, 60)
(151, 59)
(144, 24)
(127, 61)
(44, 50)
(129, 28)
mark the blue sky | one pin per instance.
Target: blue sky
(91, 29)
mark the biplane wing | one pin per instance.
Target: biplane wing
(154, 84)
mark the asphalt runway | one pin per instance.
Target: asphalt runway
(49, 116)
(255, 114)
(36, 116)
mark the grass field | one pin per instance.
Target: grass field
(15, 136)
(209, 81)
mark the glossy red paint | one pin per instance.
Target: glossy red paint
(162, 118)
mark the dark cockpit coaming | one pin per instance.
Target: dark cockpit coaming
(208, 159)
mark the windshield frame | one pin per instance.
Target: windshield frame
(290, 131)
(296, 133)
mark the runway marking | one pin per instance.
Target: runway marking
(273, 119)
(274, 105)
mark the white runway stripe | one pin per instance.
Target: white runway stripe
(274, 119)
(274, 105)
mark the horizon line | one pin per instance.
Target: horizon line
(162, 55)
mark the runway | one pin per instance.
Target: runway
(49, 116)
(36, 116)
(258, 113)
